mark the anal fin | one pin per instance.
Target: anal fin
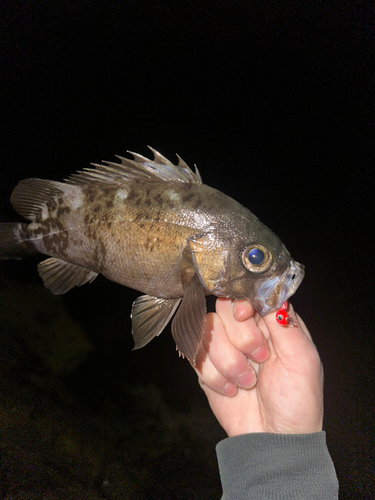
(150, 315)
(60, 276)
(188, 324)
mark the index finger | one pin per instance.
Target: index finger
(244, 334)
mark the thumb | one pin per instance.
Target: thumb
(290, 342)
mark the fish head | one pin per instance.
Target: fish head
(262, 271)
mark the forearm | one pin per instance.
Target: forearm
(277, 466)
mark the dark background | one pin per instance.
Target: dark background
(272, 101)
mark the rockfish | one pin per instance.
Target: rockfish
(152, 226)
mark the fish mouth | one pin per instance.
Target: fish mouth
(272, 293)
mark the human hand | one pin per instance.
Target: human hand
(258, 375)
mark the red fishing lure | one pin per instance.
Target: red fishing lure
(282, 316)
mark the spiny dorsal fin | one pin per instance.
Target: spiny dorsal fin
(140, 167)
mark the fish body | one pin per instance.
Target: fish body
(155, 227)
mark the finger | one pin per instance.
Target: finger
(299, 321)
(262, 326)
(228, 360)
(245, 335)
(242, 310)
(210, 376)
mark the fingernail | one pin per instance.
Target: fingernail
(246, 380)
(260, 354)
(229, 390)
(240, 310)
(235, 307)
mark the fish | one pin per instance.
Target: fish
(154, 226)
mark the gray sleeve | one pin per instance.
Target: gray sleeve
(266, 466)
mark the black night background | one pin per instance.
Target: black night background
(272, 101)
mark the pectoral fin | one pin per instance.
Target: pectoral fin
(188, 324)
(60, 276)
(150, 315)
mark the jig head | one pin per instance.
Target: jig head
(282, 316)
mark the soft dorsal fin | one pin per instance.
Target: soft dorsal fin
(140, 167)
(30, 195)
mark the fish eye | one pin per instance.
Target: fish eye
(257, 258)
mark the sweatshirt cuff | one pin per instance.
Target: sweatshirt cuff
(277, 467)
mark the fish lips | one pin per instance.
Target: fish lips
(271, 293)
